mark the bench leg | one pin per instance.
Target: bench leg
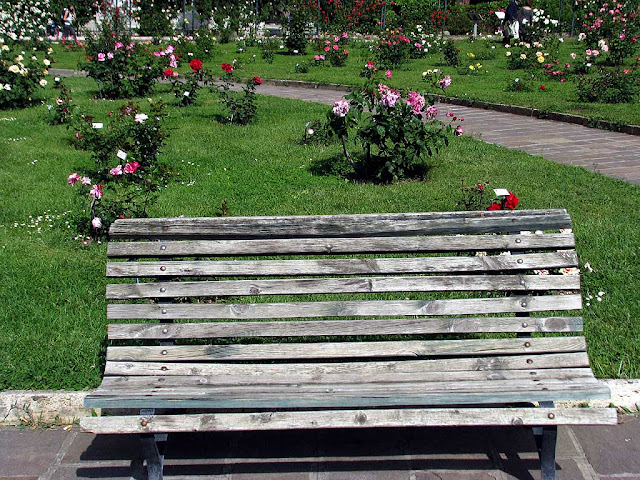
(153, 453)
(546, 442)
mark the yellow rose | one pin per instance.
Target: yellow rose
(471, 67)
(540, 59)
(46, 62)
(19, 58)
(508, 54)
(14, 69)
(523, 56)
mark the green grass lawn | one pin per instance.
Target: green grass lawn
(490, 86)
(52, 324)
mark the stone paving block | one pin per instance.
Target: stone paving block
(444, 475)
(616, 449)
(566, 469)
(365, 475)
(80, 472)
(88, 447)
(28, 453)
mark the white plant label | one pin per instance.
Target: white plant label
(501, 192)
(186, 94)
(97, 125)
(122, 155)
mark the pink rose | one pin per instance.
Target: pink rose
(85, 181)
(336, 47)
(96, 191)
(622, 36)
(341, 108)
(316, 57)
(110, 55)
(388, 74)
(458, 132)
(118, 45)
(96, 223)
(326, 49)
(101, 57)
(73, 178)
(131, 167)
(431, 112)
(116, 170)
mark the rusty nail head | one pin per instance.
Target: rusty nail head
(551, 415)
(529, 361)
(163, 268)
(527, 344)
(143, 423)
(163, 247)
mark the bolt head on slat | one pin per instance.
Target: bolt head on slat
(163, 268)
(529, 360)
(551, 415)
(163, 368)
(162, 290)
(527, 344)
(523, 283)
(520, 260)
(518, 240)
(143, 423)
(164, 310)
(525, 324)
(163, 247)
(164, 352)
(523, 304)
(165, 330)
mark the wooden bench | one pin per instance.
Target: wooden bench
(303, 322)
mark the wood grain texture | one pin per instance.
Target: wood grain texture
(390, 224)
(481, 364)
(399, 349)
(334, 246)
(395, 326)
(307, 286)
(353, 308)
(350, 419)
(354, 266)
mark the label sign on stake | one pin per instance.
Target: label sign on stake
(501, 192)
(122, 155)
(186, 94)
(97, 125)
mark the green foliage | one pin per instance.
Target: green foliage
(474, 197)
(520, 84)
(241, 108)
(155, 18)
(26, 18)
(268, 49)
(393, 50)
(295, 38)
(450, 53)
(612, 86)
(61, 111)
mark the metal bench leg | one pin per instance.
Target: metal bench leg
(546, 442)
(151, 453)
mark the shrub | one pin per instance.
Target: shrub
(126, 175)
(613, 86)
(26, 18)
(240, 106)
(61, 111)
(21, 76)
(519, 84)
(393, 50)
(155, 18)
(186, 89)
(336, 54)
(268, 49)
(450, 53)
(295, 39)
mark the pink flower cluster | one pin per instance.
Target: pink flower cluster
(431, 112)
(128, 168)
(74, 178)
(416, 102)
(341, 108)
(173, 60)
(110, 55)
(389, 97)
(445, 82)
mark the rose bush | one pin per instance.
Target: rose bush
(24, 18)
(241, 106)
(22, 75)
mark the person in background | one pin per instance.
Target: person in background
(525, 17)
(511, 24)
(68, 16)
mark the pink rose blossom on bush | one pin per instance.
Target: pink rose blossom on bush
(96, 191)
(131, 167)
(110, 55)
(341, 108)
(116, 170)
(336, 47)
(118, 45)
(416, 102)
(445, 82)
(389, 98)
(96, 223)
(458, 131)
(173, 61)
(73, 178)
(101, 57)
(388, 74)
(85, 181)
(431, 112)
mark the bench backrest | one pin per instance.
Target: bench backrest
(235, 280)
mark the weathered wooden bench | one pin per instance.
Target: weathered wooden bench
(271, 323)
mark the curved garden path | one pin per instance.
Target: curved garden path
(612, 154)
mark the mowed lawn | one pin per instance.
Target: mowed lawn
(52, 321)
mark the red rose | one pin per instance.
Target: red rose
(168, 73)
(542, 87)
(227, 68)
(511, 201)
(196, 65)
(257, 80)
(495, 206)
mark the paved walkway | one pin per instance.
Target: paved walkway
(591, 453)
(613, 154)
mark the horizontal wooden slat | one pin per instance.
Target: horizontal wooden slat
(354, 308)
(350, 419)
(351, 395)
(396, 326)
(435, 223)
(492, 363)
(305, 286)
(402, 349)
(354, 266)
(294, 378)
(334, 246)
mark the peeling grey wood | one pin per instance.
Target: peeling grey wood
(395, 326)
(435, 223)
(360, 266)
(402, 349)
(489, 363)
(350, 419)
(306, 286)
(352, 308)
(289, 377)
(333, 246)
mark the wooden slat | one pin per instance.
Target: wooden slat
(435, 223)
(351, 396)
(306, 286)
(294, 378)
(396, 326)
(492, 363)
(350, 419)
(401, 349)
(359, 266)
(334, 246)
(353, 308)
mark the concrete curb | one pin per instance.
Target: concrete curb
(45, 407)
(465, 102)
